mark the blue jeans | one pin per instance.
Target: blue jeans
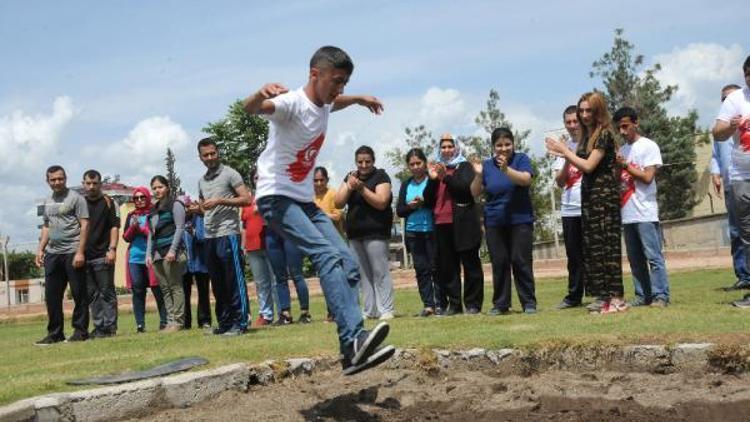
(643, 244)
(286, 261)
(264, 282)
(738, 249)
(139, 279)
(304, 224)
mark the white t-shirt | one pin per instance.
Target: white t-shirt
(296, 134)
(738, 103)
(637, 199)
(570, 200)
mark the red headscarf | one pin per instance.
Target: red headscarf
(147, 193)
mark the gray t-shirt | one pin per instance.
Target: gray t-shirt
(220, 183)
(61, 215)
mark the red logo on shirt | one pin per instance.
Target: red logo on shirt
(744, 130)
(627, 185)
(300, 168)
(574, 175)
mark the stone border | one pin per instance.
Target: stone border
(184, 390)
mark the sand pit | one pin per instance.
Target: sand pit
(482, 393)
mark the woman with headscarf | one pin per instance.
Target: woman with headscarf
(166, 250)
(138, 275)
(369, 218)
(457, 228)
(600, 201)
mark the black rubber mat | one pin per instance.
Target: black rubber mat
(157, 371)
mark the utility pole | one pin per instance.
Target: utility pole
(5, 268)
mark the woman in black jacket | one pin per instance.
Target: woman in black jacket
(420, 230)
(457, 227)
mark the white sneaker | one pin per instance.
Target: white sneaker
(386, 316)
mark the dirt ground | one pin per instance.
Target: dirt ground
(482, 395)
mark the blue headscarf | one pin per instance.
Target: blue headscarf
(457, 157)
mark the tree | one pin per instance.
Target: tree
(240, 137)
(172, 178)
(626, 84)
(416, 137)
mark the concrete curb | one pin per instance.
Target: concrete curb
(187, 389)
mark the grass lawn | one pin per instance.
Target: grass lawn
(700, 313)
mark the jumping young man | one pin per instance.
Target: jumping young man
(285, 194)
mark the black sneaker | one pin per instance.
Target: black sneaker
(567, 305)
(498, 311)
(738, 285)
(472, 311)
(452, 311)
(77, 336)
(217, 331)
(283, 320)
(49, 340)
(742, 304)
(140, 329)
(365, 352)
(234, 332)
(304, 318)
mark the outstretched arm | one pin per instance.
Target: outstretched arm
(368, 101)
(258, 103)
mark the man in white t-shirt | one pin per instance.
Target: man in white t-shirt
(568, 178)
(639, 159)
(733, 120)
(285, 193)
(721, 162)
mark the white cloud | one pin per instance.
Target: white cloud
(700, 70)
(442, 107)
(140, 155)
(27, 141)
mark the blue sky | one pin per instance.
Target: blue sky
(111, 84)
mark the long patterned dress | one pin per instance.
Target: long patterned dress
(601, 222)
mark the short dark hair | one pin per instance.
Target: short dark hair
(364, 149)
(502, 132)
(571, 109)
(330, 56)
(624, 112)
(730, 86)
(92, 174)
(746, 65)
(207, 142)
(416, 152)
(322, 171)
(161, 179)
(54, 169)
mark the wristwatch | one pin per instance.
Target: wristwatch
(112, 249)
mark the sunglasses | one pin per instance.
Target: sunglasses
(139, 198)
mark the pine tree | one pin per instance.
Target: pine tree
(240, 138)
(625, 83)
(172, 178)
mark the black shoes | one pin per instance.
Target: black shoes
(365, 351)
(49, 340)
(472, 311)
(304, 318)
(498, 311)
(284, 319)
(77, 336)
